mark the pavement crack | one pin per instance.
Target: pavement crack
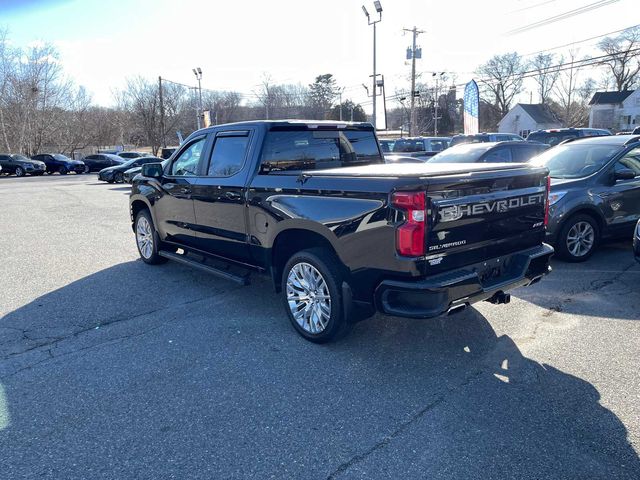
(54, 341)
(387, 439)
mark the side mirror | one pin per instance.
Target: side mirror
(625, 174)
(153, 170)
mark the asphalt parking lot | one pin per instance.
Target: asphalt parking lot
(110, 368)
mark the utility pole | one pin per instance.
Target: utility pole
(435, 116)
(340, 95)
(198, 73)
(378, 8)
(412, 122)
(162, 136)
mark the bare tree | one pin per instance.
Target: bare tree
(572, 93)
(623, 61)
(546, 74)
(141, 100)
(502, 79)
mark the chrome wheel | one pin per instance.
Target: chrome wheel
(144, 237)
(308, 298)
(580, 239)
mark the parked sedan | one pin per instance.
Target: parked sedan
(20, 165)
(115, 174)
(95, 163)
(132, 172)
(491, 152)
(130, 155)
(62, 164)
(595, 192)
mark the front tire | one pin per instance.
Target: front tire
(578, 238)
(312, 294)
(147, 239)
(118, 177)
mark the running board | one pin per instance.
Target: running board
(239, 279)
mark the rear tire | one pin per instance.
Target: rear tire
(147, 239)
(63, 170)
(312, 295)
(19, 172)
(578, 238)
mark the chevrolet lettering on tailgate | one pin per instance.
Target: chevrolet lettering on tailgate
(456, 212)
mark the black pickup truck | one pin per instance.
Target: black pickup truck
(342, 234)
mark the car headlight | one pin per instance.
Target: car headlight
(555, 197)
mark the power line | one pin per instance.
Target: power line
(562, 16)
(580, 41)
(531, 6)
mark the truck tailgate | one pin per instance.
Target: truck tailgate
(485, 215)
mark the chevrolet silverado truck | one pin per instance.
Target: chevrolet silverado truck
(342, 234)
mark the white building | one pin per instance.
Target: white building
(528, 117)
(616, 111)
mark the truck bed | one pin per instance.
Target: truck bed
(419, 170)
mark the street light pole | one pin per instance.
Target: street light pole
(198, 73)
(378, 8)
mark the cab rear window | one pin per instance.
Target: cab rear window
(296, 150)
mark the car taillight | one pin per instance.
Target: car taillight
(410, 236)
(546, 202)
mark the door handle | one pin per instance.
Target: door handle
(232, 195)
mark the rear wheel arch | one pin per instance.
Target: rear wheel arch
(289, 242)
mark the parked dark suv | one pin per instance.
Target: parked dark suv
(62, 164)
(491, 152)
(95, 163)
(20, 165)
(558, 135)
(595, 192)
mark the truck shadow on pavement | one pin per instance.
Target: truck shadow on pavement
(237, 391)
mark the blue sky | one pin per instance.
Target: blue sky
(101, 42)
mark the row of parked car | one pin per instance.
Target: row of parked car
(110, 167)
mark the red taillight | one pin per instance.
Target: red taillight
(546, 202)
(410, 236)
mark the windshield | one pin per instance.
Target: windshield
(574, 160)
(463, 153)
(62, 158)
(551, 138)
(20, 158)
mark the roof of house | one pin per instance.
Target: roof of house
(539, 112)
(600, 98)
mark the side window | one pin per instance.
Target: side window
(227, 156)
(186, 164)
(631, 161)
(299, 150)
(499, 155)
(523, 154)
(438, 145)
